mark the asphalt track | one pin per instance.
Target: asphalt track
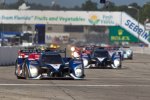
(132, 82)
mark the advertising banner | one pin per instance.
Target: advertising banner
(118, 34)
(135, 28)
(60, 17)
(57, 38)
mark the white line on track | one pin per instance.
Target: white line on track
(147, 78)
(70, 85)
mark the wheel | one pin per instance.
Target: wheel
(16, 71)
(120, 66)
(131, 57)
(25, 71)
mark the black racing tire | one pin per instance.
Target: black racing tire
(25, 71)
(15, 69)
(120, 65)
(131, 58)
(18, 77)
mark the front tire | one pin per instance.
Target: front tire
(26, 73)
(16, 71)
(131, 57)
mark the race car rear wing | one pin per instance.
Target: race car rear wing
(56, 51)
(29, 51)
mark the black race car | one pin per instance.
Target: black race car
(101, 58)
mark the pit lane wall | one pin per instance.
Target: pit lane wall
(141, 50)
(8, 55)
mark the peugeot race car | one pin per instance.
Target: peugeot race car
(127, 53)
(37, 64)
(101, 58)
(84, 53)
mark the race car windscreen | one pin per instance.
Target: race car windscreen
(52, 59)
(101, 54)
(89, 48)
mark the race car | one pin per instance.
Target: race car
(126, 52)
(101, 58)
(84, 52)
(38, 64)
(117, 50)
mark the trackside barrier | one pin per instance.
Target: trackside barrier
(8, 55)
(142, 50)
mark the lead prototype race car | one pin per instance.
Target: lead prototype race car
(38, 64)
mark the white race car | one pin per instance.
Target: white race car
(127, 53)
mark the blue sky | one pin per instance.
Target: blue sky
(72, 3)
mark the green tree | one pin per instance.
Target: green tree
(19, 2)
(16, 4)
(3, 4)
(89, 6)
(133, 12)
(109, 6)
(76, 8)
(145, 12)
(56, 7)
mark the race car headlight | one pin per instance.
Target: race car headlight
(51, 46)
(85, 62)
(72, 48)
(78, 71)
(116, 63)
(33, 71)
(76, 55)
(128, 52)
